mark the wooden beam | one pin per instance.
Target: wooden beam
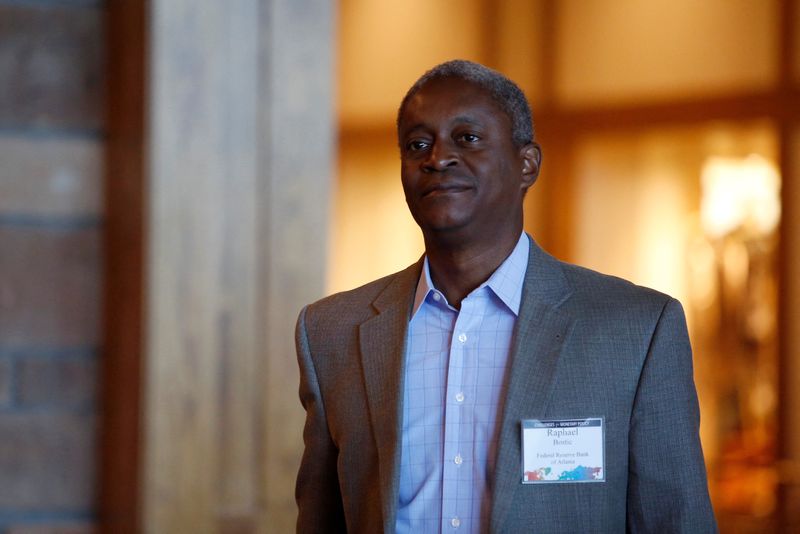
(121, 376)
(490, 26)
(789, 334)
(548, 43)
(776, 105)
(789, 294)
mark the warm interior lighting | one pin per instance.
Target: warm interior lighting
(739, 210)
(740, 193)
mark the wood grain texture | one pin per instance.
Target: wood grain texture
(125, 185)
(65, 382)
(297, 166)
(45, 307)
(55, 55)
(240, 151)
(202, 176)
(50, 177)
(47, 462)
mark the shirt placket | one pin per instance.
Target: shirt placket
(458, 451)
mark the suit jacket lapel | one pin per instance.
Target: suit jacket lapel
(382, 341)
(539, 335)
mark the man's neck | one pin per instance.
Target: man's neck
(457, 269)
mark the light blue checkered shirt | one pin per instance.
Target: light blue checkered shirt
(454, 389)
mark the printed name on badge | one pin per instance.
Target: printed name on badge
(563, 450)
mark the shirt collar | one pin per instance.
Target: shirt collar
(505, 282)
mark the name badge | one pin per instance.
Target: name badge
(562, 450)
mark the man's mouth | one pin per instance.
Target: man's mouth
(444, 189)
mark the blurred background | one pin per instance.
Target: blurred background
(177, 178)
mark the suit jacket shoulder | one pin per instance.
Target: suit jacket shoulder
(355, 306)
(595, 289)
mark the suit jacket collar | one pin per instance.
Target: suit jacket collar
(382, 340)
(538, 337)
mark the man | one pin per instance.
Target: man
(490, 387)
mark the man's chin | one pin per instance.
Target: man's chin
(445, 227)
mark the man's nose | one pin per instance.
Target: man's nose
(440, 158)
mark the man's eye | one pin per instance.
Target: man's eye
(470, 138)
(417, 145)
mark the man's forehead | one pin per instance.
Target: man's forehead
(468, 101)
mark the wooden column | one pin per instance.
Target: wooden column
(123, 307)
(790, 334)
(789, 301)
(297, 165)
(241, 159)
(238, 151)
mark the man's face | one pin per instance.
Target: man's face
(461, 173)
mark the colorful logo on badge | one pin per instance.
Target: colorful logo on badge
(579, 473)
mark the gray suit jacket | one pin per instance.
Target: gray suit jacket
(585, 345)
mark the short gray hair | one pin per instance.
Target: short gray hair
(503, 91)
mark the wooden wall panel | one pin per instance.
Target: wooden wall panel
(201, 320)
(52, 70)
(50, 177)
(239, 144)
(41, 305)
(55, 55)
(373, 233)
(631, 51)
(795, 41)
(519, 33)
(66, 381)
(47, 461)
(399, 40)
(296, 170)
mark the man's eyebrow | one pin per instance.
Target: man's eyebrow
(416, 126)
(456, 120)
(468, 119)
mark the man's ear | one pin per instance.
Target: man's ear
(531, 163)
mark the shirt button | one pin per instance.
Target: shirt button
(456, 522)
(462, 338)
(458, 459)
(437, 297)
(459, 397)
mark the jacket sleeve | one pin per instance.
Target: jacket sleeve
(317, 490)
(667, 486)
